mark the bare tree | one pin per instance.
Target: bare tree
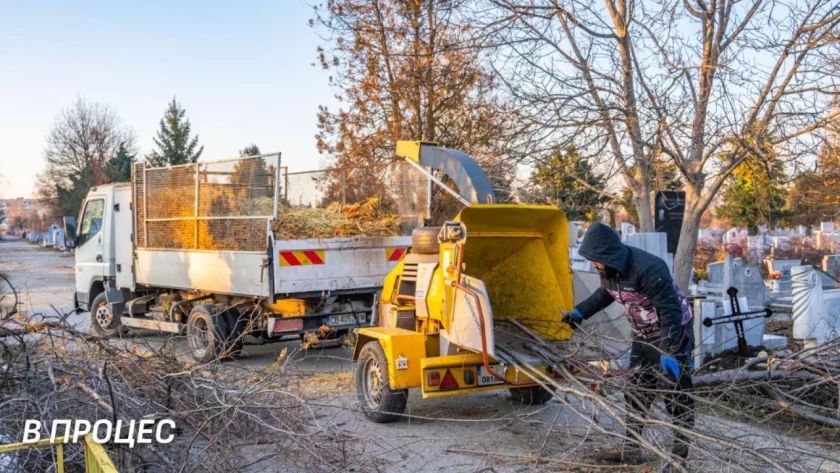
(80, 143)
(694, 81)
(406, 71)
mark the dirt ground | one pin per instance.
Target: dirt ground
(479, 432)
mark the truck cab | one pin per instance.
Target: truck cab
(96, 240)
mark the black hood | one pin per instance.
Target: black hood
(602, 245)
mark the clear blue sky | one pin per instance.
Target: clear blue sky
(242, 70)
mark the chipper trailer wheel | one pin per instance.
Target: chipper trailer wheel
(424, 241)
(379, 402)
(532, 395)
(206, 333)
(104, 323)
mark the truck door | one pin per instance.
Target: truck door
(90, 262)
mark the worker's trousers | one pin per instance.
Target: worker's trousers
(646, 379)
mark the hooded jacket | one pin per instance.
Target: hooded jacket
(653, 303)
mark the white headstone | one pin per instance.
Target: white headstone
(781, 242)
(654, 243)
(724, 336)
(827, 227)
(816, 312)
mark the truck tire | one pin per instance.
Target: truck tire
(206, 333)
(378, 401)
(424, 241)
(532, 395)
(104, 323)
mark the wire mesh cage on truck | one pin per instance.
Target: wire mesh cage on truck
(220, 205)
(401, 188)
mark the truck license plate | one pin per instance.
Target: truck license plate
(487, 379)
(346, 319)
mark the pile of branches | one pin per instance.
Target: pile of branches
(773, 413)
(364, 219)
(227, 418)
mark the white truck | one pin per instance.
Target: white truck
(191, 249)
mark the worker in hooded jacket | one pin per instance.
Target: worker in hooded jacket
(661, 319)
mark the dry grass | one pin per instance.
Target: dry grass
(365, 219)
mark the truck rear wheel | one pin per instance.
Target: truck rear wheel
(378, 401)
(206, 333)
(104, 323)
(532, 395)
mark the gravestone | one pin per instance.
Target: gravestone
(782, 286)
(781, 242)
(579, 263)
(722, 337)
(831, 265)
(816, 311)
(653, 243)
(750, 284)
(827, 227)
(627, 229)
(830, 273)
(711, 234)
(715, 270)
(734, 236)
(669, 209)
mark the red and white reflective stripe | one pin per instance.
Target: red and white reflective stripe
(394, 254)
(302, 258)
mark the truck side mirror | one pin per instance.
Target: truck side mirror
(70, 231)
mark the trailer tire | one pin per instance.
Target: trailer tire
(378, 401)
(532, 395)
(424, 241)
(104, 323)
(206, 333)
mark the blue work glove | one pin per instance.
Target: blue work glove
(670, 366)
(573, 318)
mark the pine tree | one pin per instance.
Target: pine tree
(250, 150)
(755, 192)
(119, 167)
(173, 139)
(568, 181)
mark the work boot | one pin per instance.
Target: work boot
(627, 454)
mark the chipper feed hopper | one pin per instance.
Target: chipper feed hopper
(441, 323)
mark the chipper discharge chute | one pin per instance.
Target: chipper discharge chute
(441, 322)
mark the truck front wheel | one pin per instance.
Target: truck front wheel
(378, 401)
(206, 333)
(104, 323)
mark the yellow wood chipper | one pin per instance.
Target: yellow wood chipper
(437, 320)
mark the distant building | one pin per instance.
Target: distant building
(30, 210)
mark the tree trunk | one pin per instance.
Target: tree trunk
(643, 203)
(684, 259)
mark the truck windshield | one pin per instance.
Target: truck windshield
(91, 220)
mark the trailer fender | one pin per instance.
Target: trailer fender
(403, 348)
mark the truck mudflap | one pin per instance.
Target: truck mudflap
(279, 326)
